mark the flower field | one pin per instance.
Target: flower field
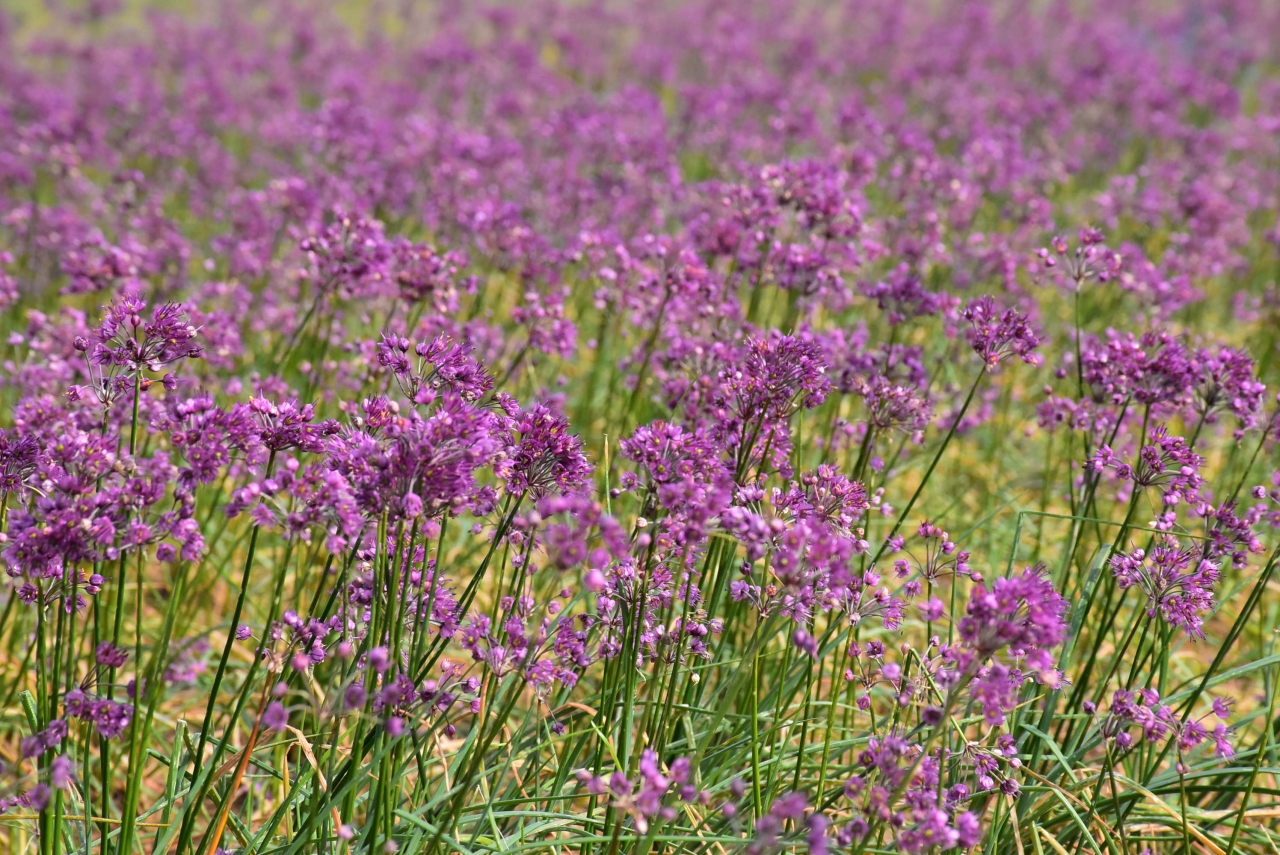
(589, 428)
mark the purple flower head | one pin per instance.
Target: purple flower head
(1168, 463)
(893, 406)
(109, 656)
(774, 377)
(903, 297)
(351, 254)
(1227, 384)
(827, 496)
(688, 472)
(125, 340)
(61, 772)
(1021, 613)
(806, 643)
(1178, 583)
(19, 454)
(440, 366)
(1152, 369)
(126, 344)
(50, 737)
(1091, 260)
(111, 717)
(417, 465)
(546, 458)
(995, 335)
(287, 425)
(275, 716)
(1158, 722)
(425, 275)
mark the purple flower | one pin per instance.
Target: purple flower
(1168, 462)
(1178, 583)
(1022, 613)
(19, 454)
(287, 425)
(126, 340)
(546, 458)
(1152, 369)
(111, 718)
(275, 716)
(1090, 261)
(415, 465)
(806, 643)
(61, 772)
(1226, 383)
(441, 366)
(995, 335)
(350, 254)
(109, 656)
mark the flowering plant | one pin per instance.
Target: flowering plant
(654, 428)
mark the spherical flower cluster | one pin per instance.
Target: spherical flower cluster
(1168, 463)
(1178, 583)
(1022, 614)
(996, 335)
(1158, 722)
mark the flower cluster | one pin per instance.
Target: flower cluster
(1179, 583)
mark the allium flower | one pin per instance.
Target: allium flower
(688, 474)
(1228, 534)
(892, 406)
(61, 771)
(1178, 583)
(91, 264)
(903, 297)
(125, 340)
(547, 457)
(351, 253)
(18, 457)
(110, 717)
(442, 366)
(569, 543)
(825, 496)
(1152, 369)
(1020, 618)
(8, 284)
(50, 737)
(1022, 613)
(1159, 723)
(287, 425)
(324, 498)
(1227, 384)
(71, 523)
(126, 344)
(414, 465)
(275, 716)
(207, 436)
(776, 377)
(770, 827)
(1168, 463)
(1091, 260)
(425, 275)
(109, 656)
(730, 248)
(933, 830)
(646, 799)
(995, 335)
(805, 268)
